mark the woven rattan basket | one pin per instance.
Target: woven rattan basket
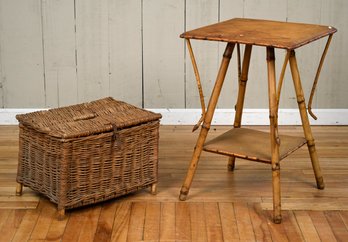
(87, 153)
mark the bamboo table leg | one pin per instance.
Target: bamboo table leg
(240, 100)
(305, 122)
(275, 141)
(207, 121)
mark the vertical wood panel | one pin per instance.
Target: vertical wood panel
(1, 75)
(228, 10)
(21, 53)
(308, 55)
(92, 39)
(256, 94)
(59, 52)
(333, 85)
(163, 54)
(126, 50)
(200, 13)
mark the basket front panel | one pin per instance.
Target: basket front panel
(111, 165)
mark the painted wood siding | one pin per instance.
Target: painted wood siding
(59, 52)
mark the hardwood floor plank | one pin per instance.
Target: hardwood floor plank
(277, 231)
(291, 227)
(322, 226)
(228, 222)
(198, 222)
(57, 227)
(44, 221)
(4, 213)
(182, 222)
(260, 222)
(213, 222)
(152, 221)
(11, 225)
(89, 228)
(121, 221)
(344, 216)
(245, 228)
(105, 222)
(306, 225)
(167, 224)
(75, 224)
(28, 223)
(136, 223)
(337, 225)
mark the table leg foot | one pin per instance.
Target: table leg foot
(277, 219)
(231, 163)
(183, 195)
(320, 183)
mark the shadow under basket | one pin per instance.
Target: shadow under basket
(88, 153)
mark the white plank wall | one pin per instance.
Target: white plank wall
(199, 13)
(333, 88)
(92, 49)
(22, 54)
(229, 92)
(163, 51)
(59, 52)
(125, 42)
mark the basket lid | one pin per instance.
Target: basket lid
(86, 119)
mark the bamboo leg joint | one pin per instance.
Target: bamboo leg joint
(276, 167)
(206, 126)
(300, 99)
(310, 143)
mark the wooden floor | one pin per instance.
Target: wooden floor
(221, 206)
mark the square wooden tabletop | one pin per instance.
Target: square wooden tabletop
(276, 34)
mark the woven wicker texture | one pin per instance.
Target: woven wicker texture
(87, 118)
(88, 167)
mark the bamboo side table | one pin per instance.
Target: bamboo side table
(250, 144)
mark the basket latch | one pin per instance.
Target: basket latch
(116, 136)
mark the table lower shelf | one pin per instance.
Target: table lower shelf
(252, 144)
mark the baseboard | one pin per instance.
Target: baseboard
(221, 117)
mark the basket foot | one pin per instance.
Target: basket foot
(61, 214)
(154, 189)
(19, 189)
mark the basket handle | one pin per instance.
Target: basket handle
(84, 116)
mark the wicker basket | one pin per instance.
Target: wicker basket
(87, 153)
